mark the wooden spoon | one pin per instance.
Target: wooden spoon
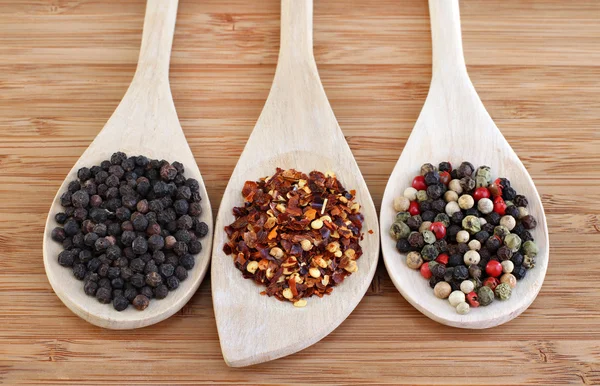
(297, 129)
(454, 126)
(146, 123)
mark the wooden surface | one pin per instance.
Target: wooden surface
(145, 122)
(454, 126)
(302, 133)
(65, 65)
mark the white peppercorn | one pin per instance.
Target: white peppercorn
(410, 193)
(401, 204)
(452, 207)
(456, 297)
(414, 260)
(523, 212)
(466, 201)
(463, 308)
(507, 266)
(454, 185)
(462, 237)
(425, 226)
(467, 286)
(475, 245)
(442, 290)
(485, 206)
(508, 221)
(471, 257)
(482, 221)
(450, 196)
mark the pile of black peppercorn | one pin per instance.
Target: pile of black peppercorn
(130, 229)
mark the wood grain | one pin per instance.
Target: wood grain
(66, 65)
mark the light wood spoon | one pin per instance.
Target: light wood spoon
(454, 126)
(144, 123)
(297, 129)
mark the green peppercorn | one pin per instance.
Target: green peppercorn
(429, 237)
(528, 261)
(443, 218)
(484, 172)
(402, 216)
(503, 291)
(399, 230)
(485, 295)
(471, 224)
(501, 231)
(530, 248)
(481, 182)
(429, 252)
(422, 195)
(513, 242)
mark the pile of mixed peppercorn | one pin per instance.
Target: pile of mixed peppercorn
(297, 234)
(466, 233)
(130, 229)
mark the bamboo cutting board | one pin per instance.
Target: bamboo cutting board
(535, 64)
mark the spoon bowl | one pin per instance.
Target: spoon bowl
(296, 129)
(144, 123)
(454, 126)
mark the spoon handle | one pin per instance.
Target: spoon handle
(157, 39)
(446, 36)
(296, 41)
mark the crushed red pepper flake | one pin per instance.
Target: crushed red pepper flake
(296, 234)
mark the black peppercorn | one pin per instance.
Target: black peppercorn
(161, 291)
(139, 221)
(492, 244)
(147, 292)
(432, 178)
(528, 222)
(415, 239)
(457, 218)
(90, 288)
(482, 236)
(473, 212)
(520, 200)
(187, 260)
(438, 270)
(117, 283)
(489, 228)
(103, 295)
(493, 218)
(195, 209)
(508, 194)
(504, 253)
(463, 248)
(433, 281)
(181, 273)
(153, 279)
(475, 271)
(435, 191)
(438, 206)
(66, 258)
(79, 271)
(505, 183)
(454, 260)
(467, 184)
(139, 245)
(517, 259)
(449, 274)
(512, 210)
(201, 229)
(138, 280)
(526, 236)
(461, 272)
(403, 246)
(156, 242)
(181, 207)
(465, 169)
(519, 272)
(140, 302)
(120, 303)
(452, 231)
(173, 282)
(58, 234)
(103, 270)
(445, 167)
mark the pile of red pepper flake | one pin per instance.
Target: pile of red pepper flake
(297, 235)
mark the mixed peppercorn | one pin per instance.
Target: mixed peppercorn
(130, 229)
(296, 234)
(467, 234)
